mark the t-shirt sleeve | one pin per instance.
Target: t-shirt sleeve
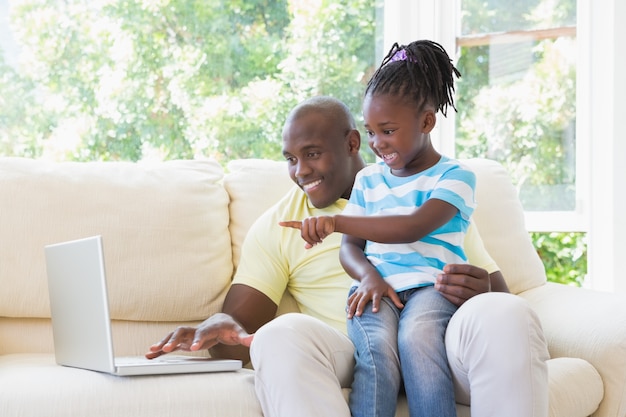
(457, 187)
(475, 250)
(261, 266)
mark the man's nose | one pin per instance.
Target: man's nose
(302, 169)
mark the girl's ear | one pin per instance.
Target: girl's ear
(430, 119)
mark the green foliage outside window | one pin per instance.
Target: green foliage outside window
(564, 256)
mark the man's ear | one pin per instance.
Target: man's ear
(430, 119)
(354, 141)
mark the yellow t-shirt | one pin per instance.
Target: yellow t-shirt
(475, 250)
(274, 260)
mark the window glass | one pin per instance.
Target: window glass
(130, 80)
(493, 16)
(517, 95)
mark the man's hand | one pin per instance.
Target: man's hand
(312, 229)
(460, 282)
(219, 328)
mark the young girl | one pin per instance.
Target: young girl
(406, 218)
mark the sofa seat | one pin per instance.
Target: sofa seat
(75, 392)
(58, 391)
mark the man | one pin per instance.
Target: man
(494, 341)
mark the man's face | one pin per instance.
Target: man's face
(318, 157)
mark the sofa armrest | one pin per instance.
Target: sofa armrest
(590, 325)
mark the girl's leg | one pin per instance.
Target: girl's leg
(377, 370)
(421, 343)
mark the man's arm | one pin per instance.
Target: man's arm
(252, 309)
(226, 334)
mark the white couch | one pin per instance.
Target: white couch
(172, 234)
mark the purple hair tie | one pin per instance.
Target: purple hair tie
(400, 55)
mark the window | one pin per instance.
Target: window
(139, 79)
(517, 99)
(517, 105)
(589, 163)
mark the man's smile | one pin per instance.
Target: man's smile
(310, 185)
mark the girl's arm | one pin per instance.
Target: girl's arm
(373, 287)
(401, 228)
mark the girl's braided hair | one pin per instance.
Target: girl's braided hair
(421, 72)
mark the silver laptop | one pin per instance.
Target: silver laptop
(80, 317)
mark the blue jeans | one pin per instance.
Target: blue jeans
(395, 346)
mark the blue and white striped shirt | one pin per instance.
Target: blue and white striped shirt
(378, 192)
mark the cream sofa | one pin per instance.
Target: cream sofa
(172, 234)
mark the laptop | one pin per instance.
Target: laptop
(81, 323)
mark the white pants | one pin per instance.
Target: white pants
(495, 346)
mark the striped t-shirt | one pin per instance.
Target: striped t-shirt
(378, 192)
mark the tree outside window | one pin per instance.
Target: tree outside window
(130, 80)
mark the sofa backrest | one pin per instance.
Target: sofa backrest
(172, 234)
(153, 217)
(500, 220)
(254, 185)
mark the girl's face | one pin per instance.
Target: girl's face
(399, 134)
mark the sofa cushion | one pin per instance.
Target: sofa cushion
(250, 196)
(164, 225)
(575, 391)
(576, 387)
(35, 386)
(587, 324)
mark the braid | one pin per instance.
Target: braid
(421, 72)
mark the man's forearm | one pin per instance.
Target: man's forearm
(230, 352)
